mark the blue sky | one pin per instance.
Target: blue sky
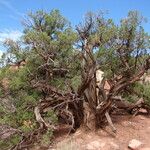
(13, 11)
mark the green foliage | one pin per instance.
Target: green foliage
(49, 43)
(46, 138)
(48, 34)
(131, 98)
(143, 91)
(51, 117)
(51, 36)
(122, 44)
(7, 119)
(75, 82)
(9, 143)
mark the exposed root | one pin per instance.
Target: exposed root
(41, 121)
(110, 121)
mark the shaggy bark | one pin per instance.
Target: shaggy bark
(86, 106)
(99, 107)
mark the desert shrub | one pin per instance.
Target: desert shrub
(46, 138)
(9, 143)
(143, 91)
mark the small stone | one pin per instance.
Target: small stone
(89, 147)
(143, 110)
(95, 145)
(134, 144)
(79, 141)
(103, 133)
(114, 146)
(141, 117)
(127, 123)
(77, 133)
(89, 136)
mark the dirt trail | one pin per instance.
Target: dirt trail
(128, 128)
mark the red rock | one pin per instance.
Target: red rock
(135, 144)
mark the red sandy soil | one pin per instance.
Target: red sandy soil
(128, 128)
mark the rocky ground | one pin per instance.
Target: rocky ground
(132, 133)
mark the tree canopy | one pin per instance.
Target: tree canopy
(50, 74)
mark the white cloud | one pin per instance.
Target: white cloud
(10, 34)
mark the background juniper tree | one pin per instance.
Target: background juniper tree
(50, 61)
